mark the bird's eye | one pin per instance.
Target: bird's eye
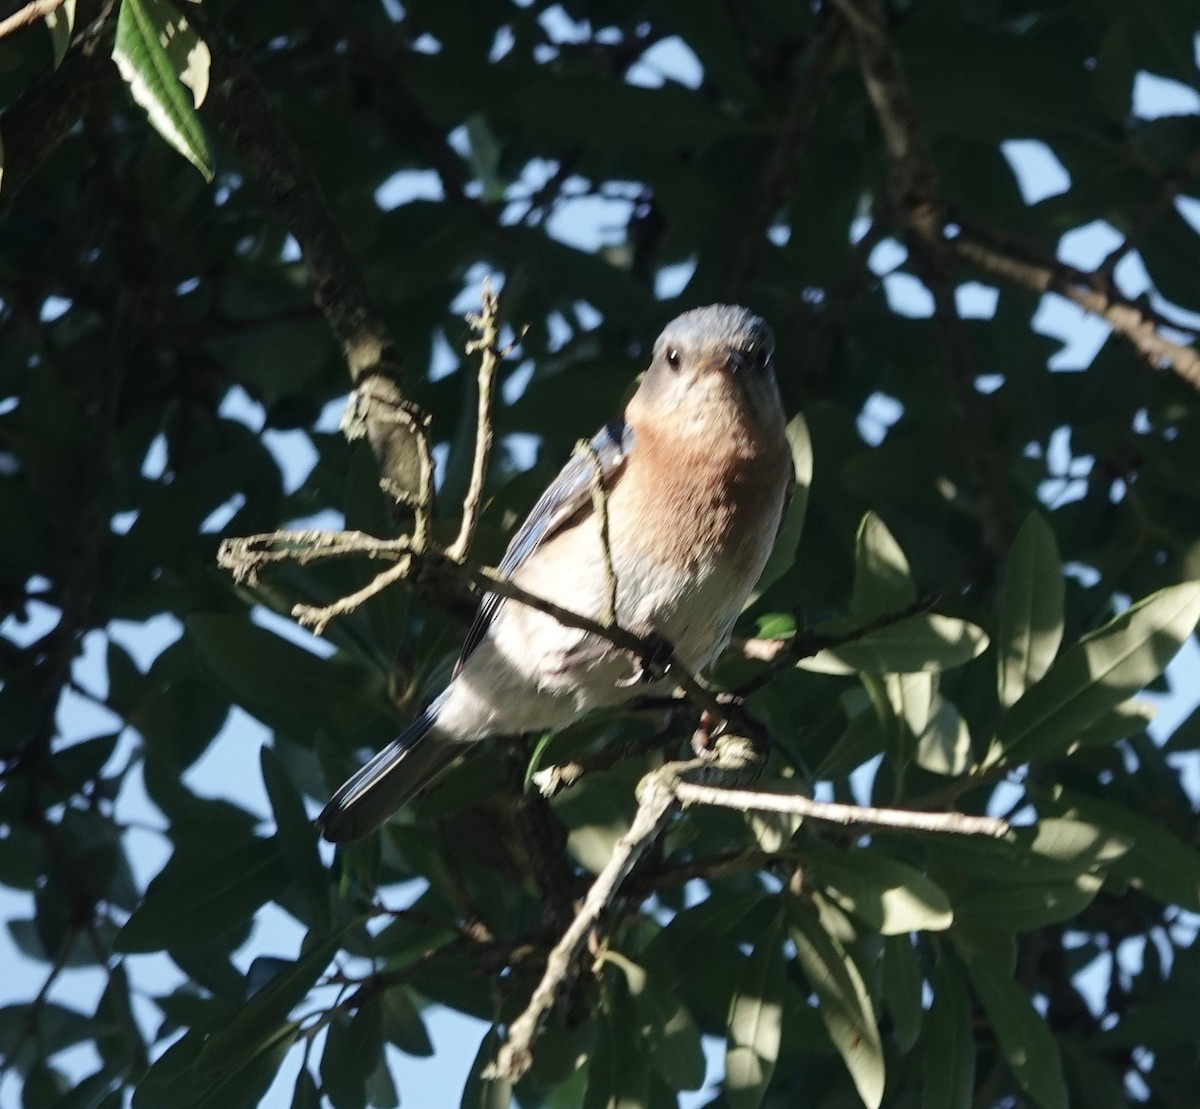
(762, 358)
(673, 357)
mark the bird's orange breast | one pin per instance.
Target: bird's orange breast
(686, 499)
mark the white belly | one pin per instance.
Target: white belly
(531, 673)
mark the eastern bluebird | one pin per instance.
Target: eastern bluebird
(696, 476)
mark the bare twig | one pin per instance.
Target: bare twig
(246, 556)
(702, 781)
(317, 617)
(31, 13)
(486, 326)
(656, 800)
(744, 800)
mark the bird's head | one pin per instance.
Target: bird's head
(712, 368)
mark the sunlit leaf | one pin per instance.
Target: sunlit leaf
(154, 69)
(886, 893)
(1031, 614)
(1098, 674)
(1025, 1038)
(60, 23)
(845, 1004)
(783, 554)
(882, 581)
(926, 642)
(756, 1021)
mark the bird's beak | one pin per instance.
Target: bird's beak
(736, 362)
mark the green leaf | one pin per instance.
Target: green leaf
(192, 901)
(305, 1095)
(297, 838)
(902, 982)
(284, 685)
(343, 1076)
(195, 1070)
(911, 699)
(845, 1004)
(402, 1023)
(1025, 1037)
(486, 1093)
(1031, 612)
(944, 747)
(949, 1058)
(1158, 862)
(925, 643)
(154, 77)
(882, 581)
(664, 1024)
(1053, 850)
(756, 1021)
(617, 1075)
(889, 895)
(862, 739)
(1097, 674)
(1022, 908)
(783, 554)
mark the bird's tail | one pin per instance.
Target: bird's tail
(376, 791)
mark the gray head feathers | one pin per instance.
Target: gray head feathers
(717, 325)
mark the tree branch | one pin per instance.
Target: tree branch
(707, 781)
(378, 408)
(744, 800)
(916, 196)
(657, 799)
(1091, 292)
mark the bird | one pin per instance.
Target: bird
(696, 474)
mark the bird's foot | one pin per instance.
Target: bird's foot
(737, 721)
(654, 664)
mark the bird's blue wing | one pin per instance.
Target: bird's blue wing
(566, 495)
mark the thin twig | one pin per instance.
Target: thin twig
(31, 13)
(317, 617)
(485, 325)
(745, 800)
(710, 781)
(246, 556)
(656, 800)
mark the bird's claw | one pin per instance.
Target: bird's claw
(736, 721)
(654, 664)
